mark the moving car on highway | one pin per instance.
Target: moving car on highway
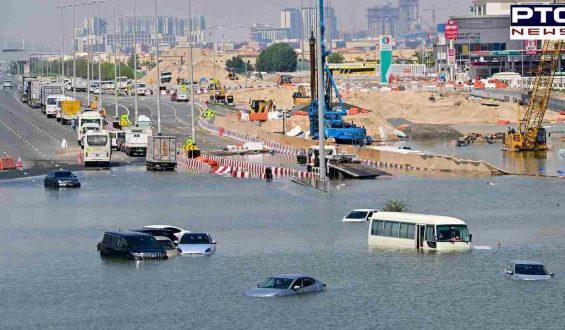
(58, 179)
(182, 97)
(527, 271)
(196, 244)
(359, 215)
(286, 285)
(130, 245)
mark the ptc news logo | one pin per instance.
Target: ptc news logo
(537, 22)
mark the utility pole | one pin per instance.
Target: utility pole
(87, 56)
(135, 64)
(62, 46)
(321, 92)
(99, 103)
(158, 72)
(115, 59)
(74, 55)
(191, 72)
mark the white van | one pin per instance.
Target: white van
(88, 120)
(418, 231)
(97, 148)
(52, 104)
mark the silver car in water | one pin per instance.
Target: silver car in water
(286, 285)
(527, 271)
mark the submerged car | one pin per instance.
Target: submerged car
(168, 246)
(176, 230)
(130, 245)
(159, 232)
(57, 179)
(196, 243)
(359, 215)
(7, 84)
(286, 285)
(527, 271)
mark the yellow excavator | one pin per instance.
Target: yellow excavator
(218, 93)
(261, 106)
(530, 135)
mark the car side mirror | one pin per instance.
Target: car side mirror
(509, 272)
(470, 237)
(214, 242)
(551, 275)
(296, 287)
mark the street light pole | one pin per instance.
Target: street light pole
(74, 55)
(158, 72)
(62, 46)
(115, 60)
(99, 103)
(87, 56)
(135, 64)
(191, 73)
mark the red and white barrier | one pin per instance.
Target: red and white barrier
(193, 165)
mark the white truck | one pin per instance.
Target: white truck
(88, 120)
(135, 141)
(48, 90)
(52, 107)
(161, 153)
(34, 94)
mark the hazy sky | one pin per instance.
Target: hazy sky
(39, 20)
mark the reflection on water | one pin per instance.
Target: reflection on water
(52, 276)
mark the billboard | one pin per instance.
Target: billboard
(537, 22)
(385, 43)
(451, 30)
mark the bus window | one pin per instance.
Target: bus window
(429, 233)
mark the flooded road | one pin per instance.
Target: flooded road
(51, 275)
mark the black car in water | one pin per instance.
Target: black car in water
(130, 245)
(159, 232)
(58, 179)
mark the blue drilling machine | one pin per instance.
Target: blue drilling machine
(334, 126)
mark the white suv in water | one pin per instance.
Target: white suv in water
(527, 271)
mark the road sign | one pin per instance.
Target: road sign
(451, 30)
(451, 56)
(184, 88)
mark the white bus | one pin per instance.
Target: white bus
(97, 148)
(92, 118)
(418, 231)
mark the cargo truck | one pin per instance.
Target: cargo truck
(134, 141)
(68, 110)
(34, 94)
(161, 153)
(46, 91)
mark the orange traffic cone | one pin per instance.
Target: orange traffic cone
(19, 163)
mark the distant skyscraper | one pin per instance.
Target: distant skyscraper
(91, 25)
(292, 19)
(310, 22)
(383, 20)
(408, 10)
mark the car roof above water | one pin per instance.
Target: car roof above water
(127, 233)
(292, 276)
(526, 262)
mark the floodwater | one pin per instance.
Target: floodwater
(551, 162)
(51, 275)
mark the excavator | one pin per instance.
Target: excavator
(530, 135)
(300, 97)
(232, 75)
(218, 93)
(261, 106)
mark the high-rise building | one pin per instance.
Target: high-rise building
(91, 25)
(269, 33)
(310, 22)
(409, 15)
(383, 20)
(291, 19)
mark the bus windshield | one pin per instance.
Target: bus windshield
(452, 233)
(96, 140)
(89, 121)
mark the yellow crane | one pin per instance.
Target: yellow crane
(530, 135)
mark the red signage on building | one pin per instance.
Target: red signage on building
(451, 30)
(451, 56)
(531, 47)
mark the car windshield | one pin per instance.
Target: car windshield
(96, 140)
(357, 215)
(276, 283)
(525, 269)
(195, 239)
(146, 242)
(452, 233)
(63, 174)
(51, 101)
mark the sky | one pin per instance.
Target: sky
(39, 20)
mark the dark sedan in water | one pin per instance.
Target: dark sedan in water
(58, 179)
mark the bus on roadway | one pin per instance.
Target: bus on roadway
(97, 148)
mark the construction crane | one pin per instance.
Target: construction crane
(530, 136)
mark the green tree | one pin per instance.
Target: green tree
(336, 58)
(394, 206)
(424, 57)
(238, 64)
(130, 60)
(278, 57)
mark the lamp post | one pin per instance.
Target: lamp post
(158, 72)
(74, 56)
(62, 46)
(99, 102)
(115, 60)
(86, 4)
(135, 106)
(193, 130)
